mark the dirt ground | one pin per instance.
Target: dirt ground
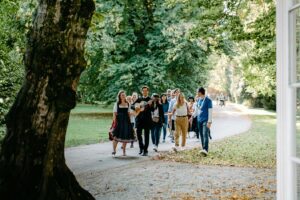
(154, 179)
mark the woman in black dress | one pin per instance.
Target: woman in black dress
(123, 132)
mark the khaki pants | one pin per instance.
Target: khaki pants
(181, 128)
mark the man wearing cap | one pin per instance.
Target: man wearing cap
(157, 120)
(193, 123)
(203, 112)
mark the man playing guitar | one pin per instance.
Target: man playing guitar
(143, 119)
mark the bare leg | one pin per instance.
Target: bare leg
(115, 143)
(124, 148)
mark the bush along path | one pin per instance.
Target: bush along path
(187, 175)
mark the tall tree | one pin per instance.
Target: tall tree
(143, 42)
(32, 162)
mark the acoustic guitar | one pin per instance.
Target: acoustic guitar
(140, 107)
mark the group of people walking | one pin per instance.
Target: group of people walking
(135, 117)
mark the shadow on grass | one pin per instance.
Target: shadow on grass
(254, 148)
(92, 115)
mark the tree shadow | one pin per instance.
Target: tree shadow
(127, 157)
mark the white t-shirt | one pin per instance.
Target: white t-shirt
(182, 110)
(115, 109)
(155, 113)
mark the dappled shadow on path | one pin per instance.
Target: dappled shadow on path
(127, 157)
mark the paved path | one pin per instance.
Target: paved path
(227, 121)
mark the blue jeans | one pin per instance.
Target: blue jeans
(155, 133)
(165, 126)
(204, 134)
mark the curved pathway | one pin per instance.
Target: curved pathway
(135, 177)
(227, 121)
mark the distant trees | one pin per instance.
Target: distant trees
(12, 41)
(160, 43)
(252, 68)
(15, 21)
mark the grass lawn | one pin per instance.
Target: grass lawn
(88, 124)
(88, 109)
(255, 148)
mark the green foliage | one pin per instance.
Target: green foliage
(160, 43)
(258, 62)
(163, 44)
(250, 73)
(15, 21)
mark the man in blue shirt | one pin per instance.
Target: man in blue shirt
(203, 112)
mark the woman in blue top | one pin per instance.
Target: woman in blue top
(165, 105)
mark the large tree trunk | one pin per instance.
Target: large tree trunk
(32, 162)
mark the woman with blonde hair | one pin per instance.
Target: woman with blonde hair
(181, 112)
(124, 130)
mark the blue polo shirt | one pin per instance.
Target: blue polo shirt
(207, 104)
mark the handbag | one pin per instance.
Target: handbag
(112, 128)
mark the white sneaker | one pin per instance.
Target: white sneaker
(204, 152)
(155, 149)
(182, 148)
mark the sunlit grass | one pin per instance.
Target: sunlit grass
(83, 131)
(87, 108)
(88, 124)
(255, 148)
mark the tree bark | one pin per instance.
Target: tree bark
(32, 161)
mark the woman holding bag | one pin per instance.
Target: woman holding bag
(158, 119)
(123, 131)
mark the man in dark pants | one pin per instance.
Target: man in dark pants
(203, 112)
(143, 120)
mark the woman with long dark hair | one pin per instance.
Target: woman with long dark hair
(124, 130)
(165, 105)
